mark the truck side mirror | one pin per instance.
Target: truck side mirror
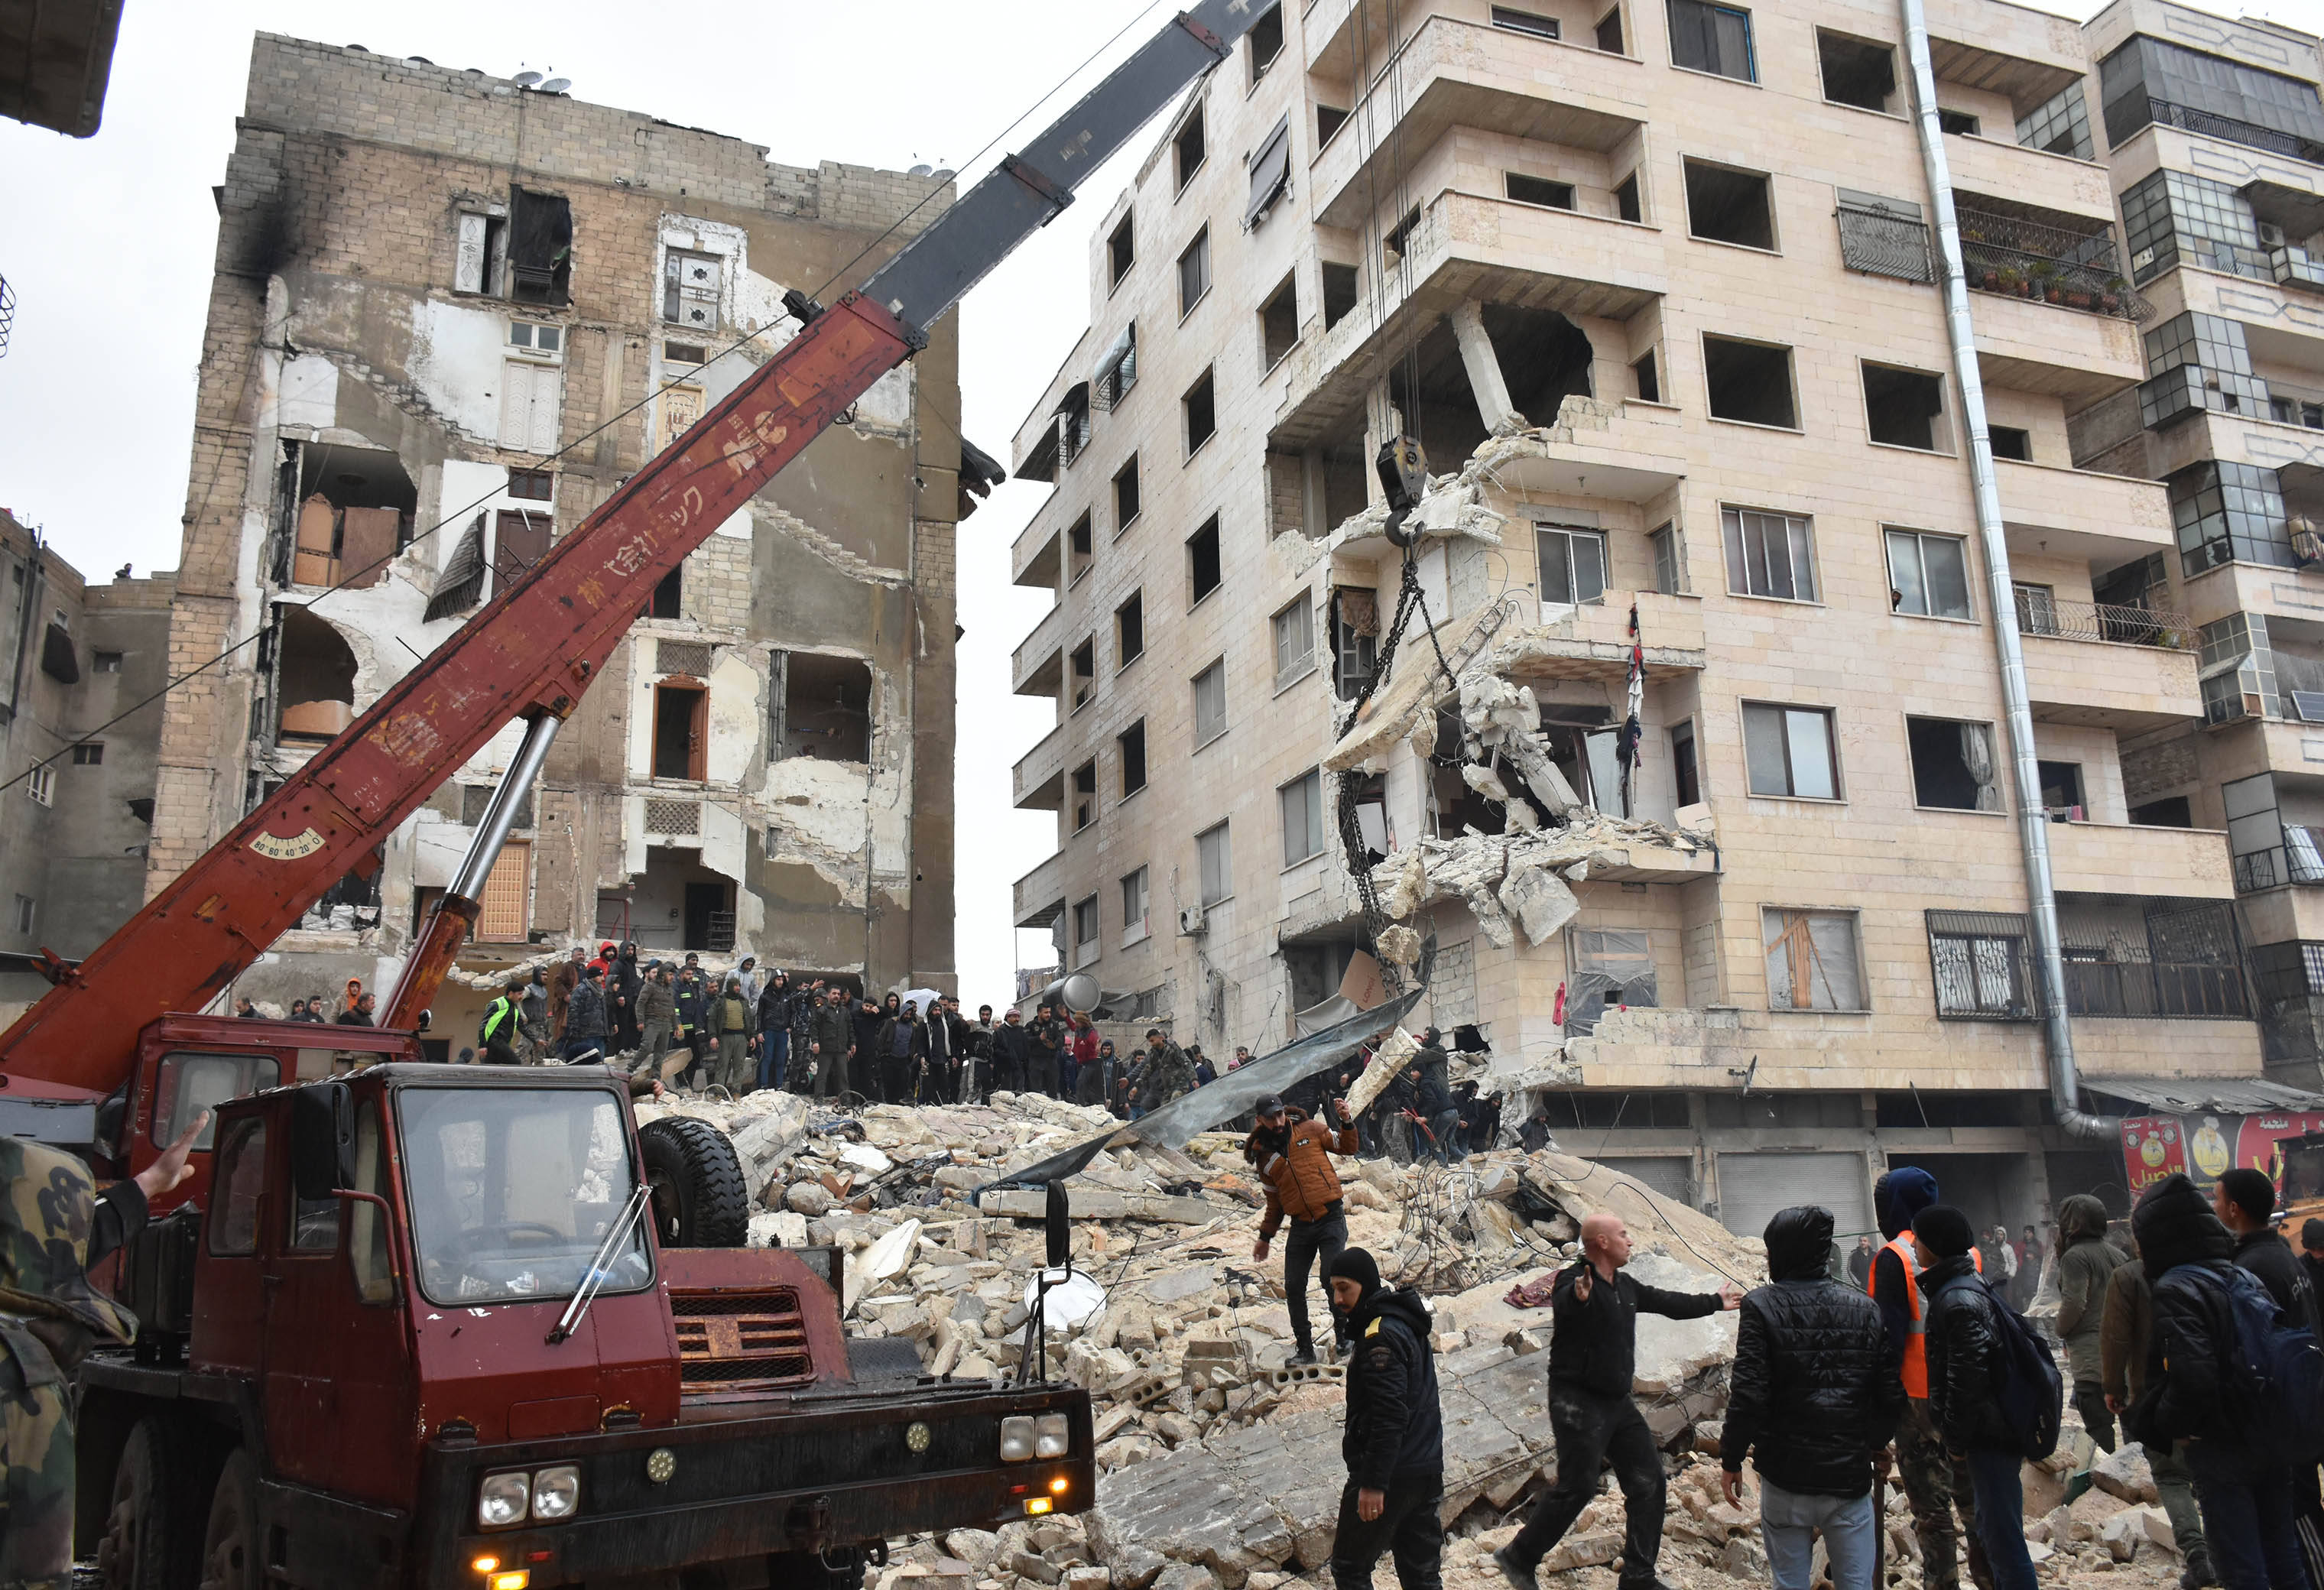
(322, 1139)
(1060, 1227)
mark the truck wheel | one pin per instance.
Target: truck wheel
(152, 1531)
(230, 1541)
(699, 1199)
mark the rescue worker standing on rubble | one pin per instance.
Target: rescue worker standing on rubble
(832, 1045)
(2124, 1334)
(1169, 1074)
(54, 1226)
(498, 1030)
(1933, 1484)
(1394, 1443)
(1593, 1347)
(1968, 1369)
(2086, 1263)
(1293, 1155)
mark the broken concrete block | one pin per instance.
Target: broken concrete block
(1027, 1565)
(1180, 1575)
(1089, 1578)
(1541, 903)
(2123, 1473)
(808, 1197)
(2122, 1534)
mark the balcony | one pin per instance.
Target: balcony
(1039, 895)
(1037, 665)
(2082, 513)
(1592, 642)
(1467, 246)
(2097, 666)
(2163, 113)
(1037, 783)
(2124, 859)
(1994, 168)
(2299, 859)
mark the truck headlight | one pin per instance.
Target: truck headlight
(556, 1492)
(1017, 1440)
(1053, 1436)
(503, 1500)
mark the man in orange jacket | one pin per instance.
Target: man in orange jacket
(1293, 1156)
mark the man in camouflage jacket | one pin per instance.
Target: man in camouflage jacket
(54, 1227)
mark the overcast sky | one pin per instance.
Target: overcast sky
(108, 242)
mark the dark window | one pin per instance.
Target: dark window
(2171, 812)
(1340, 291)
(1750, 382)
(1626, 200)
(1952, 765)
(1195, 272)
(1201, 413)
(1392, 246)
(682, 354)
(1900, 407)
(1572, 565)
(1609, 32)
(1085, 662)
(665, 602)
(681, 732)
(1266, 42)
(1279, 323)
(105, 662)
(1540, 190)
(89, 755)
(2012, 442)
(541, 247)
(2060, 124)
(1132, 742)
(535, 485)
(1683, 771)
(1649, 380)
(826, 707)
(1711, 38)
(1857, 71)
(1202, 560)
(1080, 549)
(1084, 795)
(1125, 494)
(1128, 631)
(1728, 206)
(1959, 122)
(1188, 147)
(1769, 554)
(1121, 251)
(1525, 22)
(1329, 120)
(2061, 789)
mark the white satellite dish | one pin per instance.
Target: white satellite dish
(525, 79)
(557, 84)
(918, 171)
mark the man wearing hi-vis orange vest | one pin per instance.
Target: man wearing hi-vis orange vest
(1933, 1483)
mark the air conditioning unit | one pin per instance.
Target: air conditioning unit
(2270, 235)
(1190, 920)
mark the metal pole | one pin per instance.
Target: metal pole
(2033, 821)
(500, 812)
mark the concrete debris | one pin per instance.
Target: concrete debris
(1480, 867)
(1400, 946)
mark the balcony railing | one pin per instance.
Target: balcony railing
(2024, 259)
(2188, 119)
(2039, 613)
(2299, 859)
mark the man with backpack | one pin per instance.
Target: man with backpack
(2217, 1380)
(1977, 1390)
(2244, 1198)
(2123, 1337)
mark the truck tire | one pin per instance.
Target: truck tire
(153, 1530)
(699, 1200)
(230, 1539)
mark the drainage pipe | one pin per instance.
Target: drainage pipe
(2032, 821)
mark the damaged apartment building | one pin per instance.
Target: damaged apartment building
(1656, 284)
(452, 314)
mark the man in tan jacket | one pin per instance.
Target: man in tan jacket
(1293, 1156)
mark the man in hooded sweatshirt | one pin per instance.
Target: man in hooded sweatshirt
(2086, 1263)
(2245, 1495)
(1394, 1444)
(1814, 1395)
(1964, 1336)
(1934, 1484)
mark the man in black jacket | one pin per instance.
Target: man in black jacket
(2245, 1495)
(1964, 1347)
(2243, 1199)
(1592, 1356)
(1012, 1052)
(1395, 1439)
(1815, 1392)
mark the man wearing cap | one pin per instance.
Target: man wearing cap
(1933, 1484)
(1593, 1351)
(1965, 1350)
(1394, 1443)
(1293, 1156)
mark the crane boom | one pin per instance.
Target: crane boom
(533, 650)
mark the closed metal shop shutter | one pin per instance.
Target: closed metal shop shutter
(1667, 1173)
(1753, 1186)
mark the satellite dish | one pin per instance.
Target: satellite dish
(918, 171)
(557, 84)
(525, 79)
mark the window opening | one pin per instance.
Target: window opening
(1537, 190)
(1279, 323)
(826, 707)
(541, 247)
(1211, 703)
(1627, 202)
(1711, 38)
(1085, 662)
(1203, 561)
(1085, 795)
(1648, 378)
(1355, 640)
(1728, 206)
(1525, 22)
(1341, 291)
(1953, 767)
(1686, 774)
(1609, 32)
(1606, 968)
(681, 733)
(1216, 863)
(1133, 907)
(1572, 565)
(1295, 642)
(1195, 272)
(1669, 570)
(1086, 930)
(89, 755)
(1132, 743)
(2011, 443)
(1201, 409)
(1789, 751)
(1187, 147)
(1859, 72)
(1121, 251)
(1080, 549)
(689, 290)
(1125, 495)
(1902, 406)
(1958, 123)
(1769, 554)
(1129, 630)
(1750, 382)
(1302, 800)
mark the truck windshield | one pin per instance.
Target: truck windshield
(513, 1189)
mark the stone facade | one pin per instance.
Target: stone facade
(1658, 310)
(451, 316)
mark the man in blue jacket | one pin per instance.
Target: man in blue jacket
(1394, 1444)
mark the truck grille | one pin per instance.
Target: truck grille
(731, 1341)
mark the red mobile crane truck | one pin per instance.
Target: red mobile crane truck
(412, 1326)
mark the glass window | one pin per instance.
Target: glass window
(1664, 544)
(1928, 575)
(513, 1190)
(1133, 904)
(1572, 565)
(1981, 965)
(1217, 862)
(1811, 959)
(2225, 511)
(367, 1251)
(1211, 703)
(1769, 554)
(2060, 124)
(1302, 817)
(189, 1084)
(1195, 272)
(1711, 38)
(237, 1183)
(1953, 767)
(1086, 930)
(1789, 750)
(1295, 642)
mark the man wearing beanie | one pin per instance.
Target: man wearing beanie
(1395, 1439)
(2245, 1496)
(1934, 1484)
(1965, 1348)
(1594, 1311)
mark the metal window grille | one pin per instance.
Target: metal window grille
(690, 657)
(666, 816)
(1982, 965)
(1881, 240)
(2152, 956)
